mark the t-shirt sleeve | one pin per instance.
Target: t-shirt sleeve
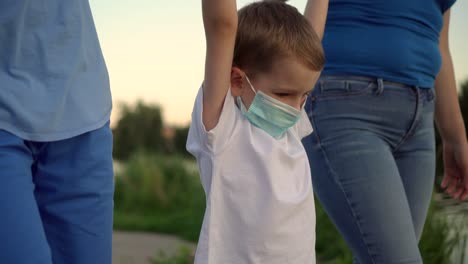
(216, 139)
(447, 4)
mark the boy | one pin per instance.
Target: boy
(246, 131)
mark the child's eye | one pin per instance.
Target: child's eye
(282, 94)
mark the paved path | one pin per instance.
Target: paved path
(139, 248)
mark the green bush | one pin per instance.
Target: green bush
(436, 245)
(442, 237)
(157, 193)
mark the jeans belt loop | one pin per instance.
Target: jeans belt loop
(380, 86)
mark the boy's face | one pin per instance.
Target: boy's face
(289, 81)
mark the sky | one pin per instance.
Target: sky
(154, 50)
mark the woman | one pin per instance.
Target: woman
(373, 152)
(56, 173)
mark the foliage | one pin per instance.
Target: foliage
(180, 139)
(138, 129)
(157, 193)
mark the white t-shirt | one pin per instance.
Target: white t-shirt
(259, 199)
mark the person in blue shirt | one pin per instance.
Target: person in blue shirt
(56, 189)
(372, 154)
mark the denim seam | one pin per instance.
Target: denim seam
(411, 261)
(350, 207)
(343, 95)
(35, 152)
(414, 123)
(79, 227)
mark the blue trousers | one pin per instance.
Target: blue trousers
(56, 199)
(372, 156)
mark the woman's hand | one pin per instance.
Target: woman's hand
(455, 181)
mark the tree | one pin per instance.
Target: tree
(180, 140)
(138, 129)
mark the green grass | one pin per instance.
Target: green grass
(184, 256)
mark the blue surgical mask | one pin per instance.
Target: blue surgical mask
(269, 114)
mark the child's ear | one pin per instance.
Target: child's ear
(237, 81)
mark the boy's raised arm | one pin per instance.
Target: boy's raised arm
(220, 22)
(316, 13)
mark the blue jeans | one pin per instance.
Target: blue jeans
(56, 199)
(372, 156)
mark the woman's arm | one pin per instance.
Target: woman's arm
(450, 122)
(220, 22)
(448, 115)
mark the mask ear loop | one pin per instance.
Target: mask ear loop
(250, 84)
(304, 104)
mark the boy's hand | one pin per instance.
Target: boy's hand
(316, 13)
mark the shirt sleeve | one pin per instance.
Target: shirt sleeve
(447, 4)
(216, 139)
